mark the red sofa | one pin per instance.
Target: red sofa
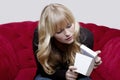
(17, 61)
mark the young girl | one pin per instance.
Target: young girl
(56, 41)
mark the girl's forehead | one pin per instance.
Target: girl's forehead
(62, 25)
(61, 22)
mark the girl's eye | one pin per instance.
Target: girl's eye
(69, 25)
(58, 32)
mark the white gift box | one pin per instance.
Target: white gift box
(85, 62)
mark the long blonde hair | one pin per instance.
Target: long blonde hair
(53, 17)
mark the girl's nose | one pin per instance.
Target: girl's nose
(66, 32)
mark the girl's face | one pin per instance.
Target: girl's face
(65, 35)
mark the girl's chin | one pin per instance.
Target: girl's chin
(69, 42)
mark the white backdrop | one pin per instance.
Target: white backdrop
(100, 12)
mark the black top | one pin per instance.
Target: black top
(86, 38)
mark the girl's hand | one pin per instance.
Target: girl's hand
(98, 60)
(71, 74)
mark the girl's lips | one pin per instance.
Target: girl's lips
(69, 38)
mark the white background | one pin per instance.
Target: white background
(100, 12)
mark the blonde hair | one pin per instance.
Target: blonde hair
(53, 17)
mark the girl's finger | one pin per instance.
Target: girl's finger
(98, 52)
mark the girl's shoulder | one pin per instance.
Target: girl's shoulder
(86, 37)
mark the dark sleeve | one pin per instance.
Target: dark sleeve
(35, 48)
(58, 75)
(86, 37)
(35, 41)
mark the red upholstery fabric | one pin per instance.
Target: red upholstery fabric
(111, 60)
(16, 56)
(17, 60)
(8, 63)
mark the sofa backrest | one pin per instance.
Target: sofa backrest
(16, 51)
(102, 34)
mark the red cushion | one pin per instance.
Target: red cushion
(26, 74)
(16, 49)
(8, 61)
(109, 69)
